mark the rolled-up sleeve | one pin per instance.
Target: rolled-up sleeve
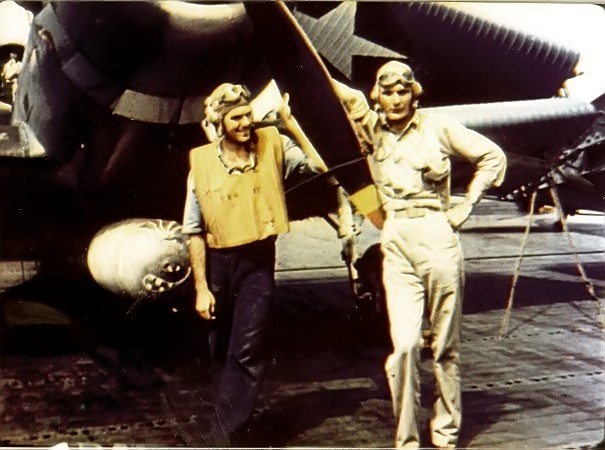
(295, 160)
(192, 214)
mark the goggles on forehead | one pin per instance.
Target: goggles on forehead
(391, 78)
(235, 93)
(393, 73)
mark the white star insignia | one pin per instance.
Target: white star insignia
(334, 38)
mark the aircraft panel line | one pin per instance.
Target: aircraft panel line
(591, 376)
(471, 258)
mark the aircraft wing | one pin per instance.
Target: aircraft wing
(499, 68)
(462, 52)
(110, 95)
(531, 132)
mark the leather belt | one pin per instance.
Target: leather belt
(412, 212)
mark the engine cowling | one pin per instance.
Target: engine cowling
(140, 259)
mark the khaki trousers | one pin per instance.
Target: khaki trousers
(423, 272)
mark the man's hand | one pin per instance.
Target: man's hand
(457, 215)
(357, 108)
(284, 111)
(204, 304)
(354, 101)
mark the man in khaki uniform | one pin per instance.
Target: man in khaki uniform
(422, 268)
(234, 211)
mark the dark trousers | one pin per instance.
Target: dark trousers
(242, 281)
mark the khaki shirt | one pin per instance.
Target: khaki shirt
(412, 168)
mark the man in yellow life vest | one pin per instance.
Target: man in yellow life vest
(234, 211)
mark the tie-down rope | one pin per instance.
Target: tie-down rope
(587, 283)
